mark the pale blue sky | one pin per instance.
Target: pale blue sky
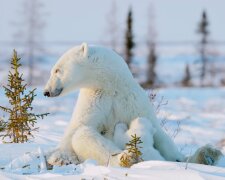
(85, 20)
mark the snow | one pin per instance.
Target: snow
(200, 113)
(143, 170)
(193, 117)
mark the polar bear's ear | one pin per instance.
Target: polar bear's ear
(84, 49)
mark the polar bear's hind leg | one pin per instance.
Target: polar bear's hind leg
(142, 128)
(207, 155)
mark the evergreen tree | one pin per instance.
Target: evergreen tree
(113, 26)
(29, 27)
(187, 77)
(151, 45)
(134, 153)
(21, 121)
(204, 32)
(129, 39)
(125, 160)
(151, 64)
(2, 124)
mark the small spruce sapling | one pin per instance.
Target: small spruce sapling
(134, 154)
(125, 160)
(21, 121)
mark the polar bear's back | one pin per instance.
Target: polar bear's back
(109, 58)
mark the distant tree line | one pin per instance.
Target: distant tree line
(29, 30)
(151, 73)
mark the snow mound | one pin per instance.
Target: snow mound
(29, 163)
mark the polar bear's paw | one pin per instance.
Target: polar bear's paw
(60, 157)
(207, 155)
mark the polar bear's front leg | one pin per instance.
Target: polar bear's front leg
(64, 153)
(61, 157)
(88, 143)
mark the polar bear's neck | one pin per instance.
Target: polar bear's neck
(112, 86)
(109, 73)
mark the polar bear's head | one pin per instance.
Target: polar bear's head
(69, 72)
(85, 67)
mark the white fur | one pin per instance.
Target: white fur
(142, 128)
(108, 95)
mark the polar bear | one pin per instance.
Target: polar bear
(110, 102)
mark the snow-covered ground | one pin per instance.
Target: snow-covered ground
(146, 170)
(192, 117)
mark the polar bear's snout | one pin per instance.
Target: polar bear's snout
(54, 93)
(46, 93)
(54, 86)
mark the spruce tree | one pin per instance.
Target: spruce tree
(151, 75)
(204, 33)
(134, 153)
(113, 26)
(2, 124)
(151, 64)
(129, 39)
(187, 77)
(29, 27)
(21, 122)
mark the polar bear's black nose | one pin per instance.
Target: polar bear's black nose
(47, 93)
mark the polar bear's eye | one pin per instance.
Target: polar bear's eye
(57, 70)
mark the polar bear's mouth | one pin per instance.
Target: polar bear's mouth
(55, 93)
